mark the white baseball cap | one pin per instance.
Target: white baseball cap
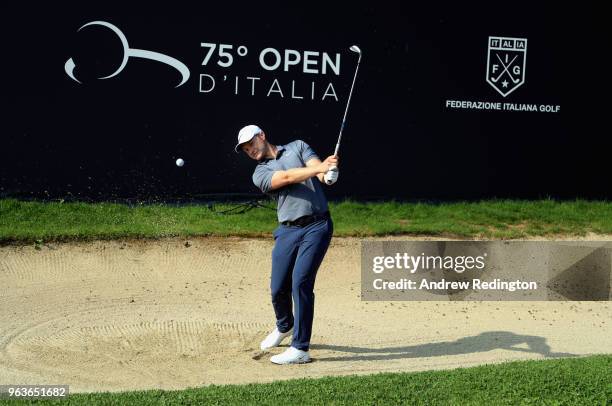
(246, 134)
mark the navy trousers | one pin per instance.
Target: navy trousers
(297, 254)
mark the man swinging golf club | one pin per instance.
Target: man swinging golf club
(294, 176)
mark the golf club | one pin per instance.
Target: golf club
(515, 81)
(331, 177)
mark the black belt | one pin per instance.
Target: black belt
(306, 220)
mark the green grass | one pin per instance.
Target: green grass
(570, 381)
(22, 221)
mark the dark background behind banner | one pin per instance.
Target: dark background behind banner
(119, 138)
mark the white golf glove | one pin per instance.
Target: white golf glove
(331, 176)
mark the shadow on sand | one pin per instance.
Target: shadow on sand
(483, 342)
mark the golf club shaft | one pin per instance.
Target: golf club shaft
(347, 107)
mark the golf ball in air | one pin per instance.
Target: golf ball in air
(180, 162)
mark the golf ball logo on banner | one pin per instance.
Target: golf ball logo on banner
(128, 52)
(506, 63)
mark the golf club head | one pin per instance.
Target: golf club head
(355, 48)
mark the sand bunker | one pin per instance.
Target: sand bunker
(177, 313)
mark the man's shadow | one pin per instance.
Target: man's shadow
(483, 342)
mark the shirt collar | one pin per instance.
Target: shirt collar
(279, 152)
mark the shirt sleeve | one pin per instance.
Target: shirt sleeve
(262, 178)
(306, 152)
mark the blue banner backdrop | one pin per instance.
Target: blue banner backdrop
(456, 102)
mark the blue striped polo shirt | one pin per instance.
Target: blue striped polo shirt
(298, 199)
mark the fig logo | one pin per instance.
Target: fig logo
(506, 63)
(130, 52)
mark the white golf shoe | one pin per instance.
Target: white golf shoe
(274, 339)
(291, 356)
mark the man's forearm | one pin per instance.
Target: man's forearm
(297, 175)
